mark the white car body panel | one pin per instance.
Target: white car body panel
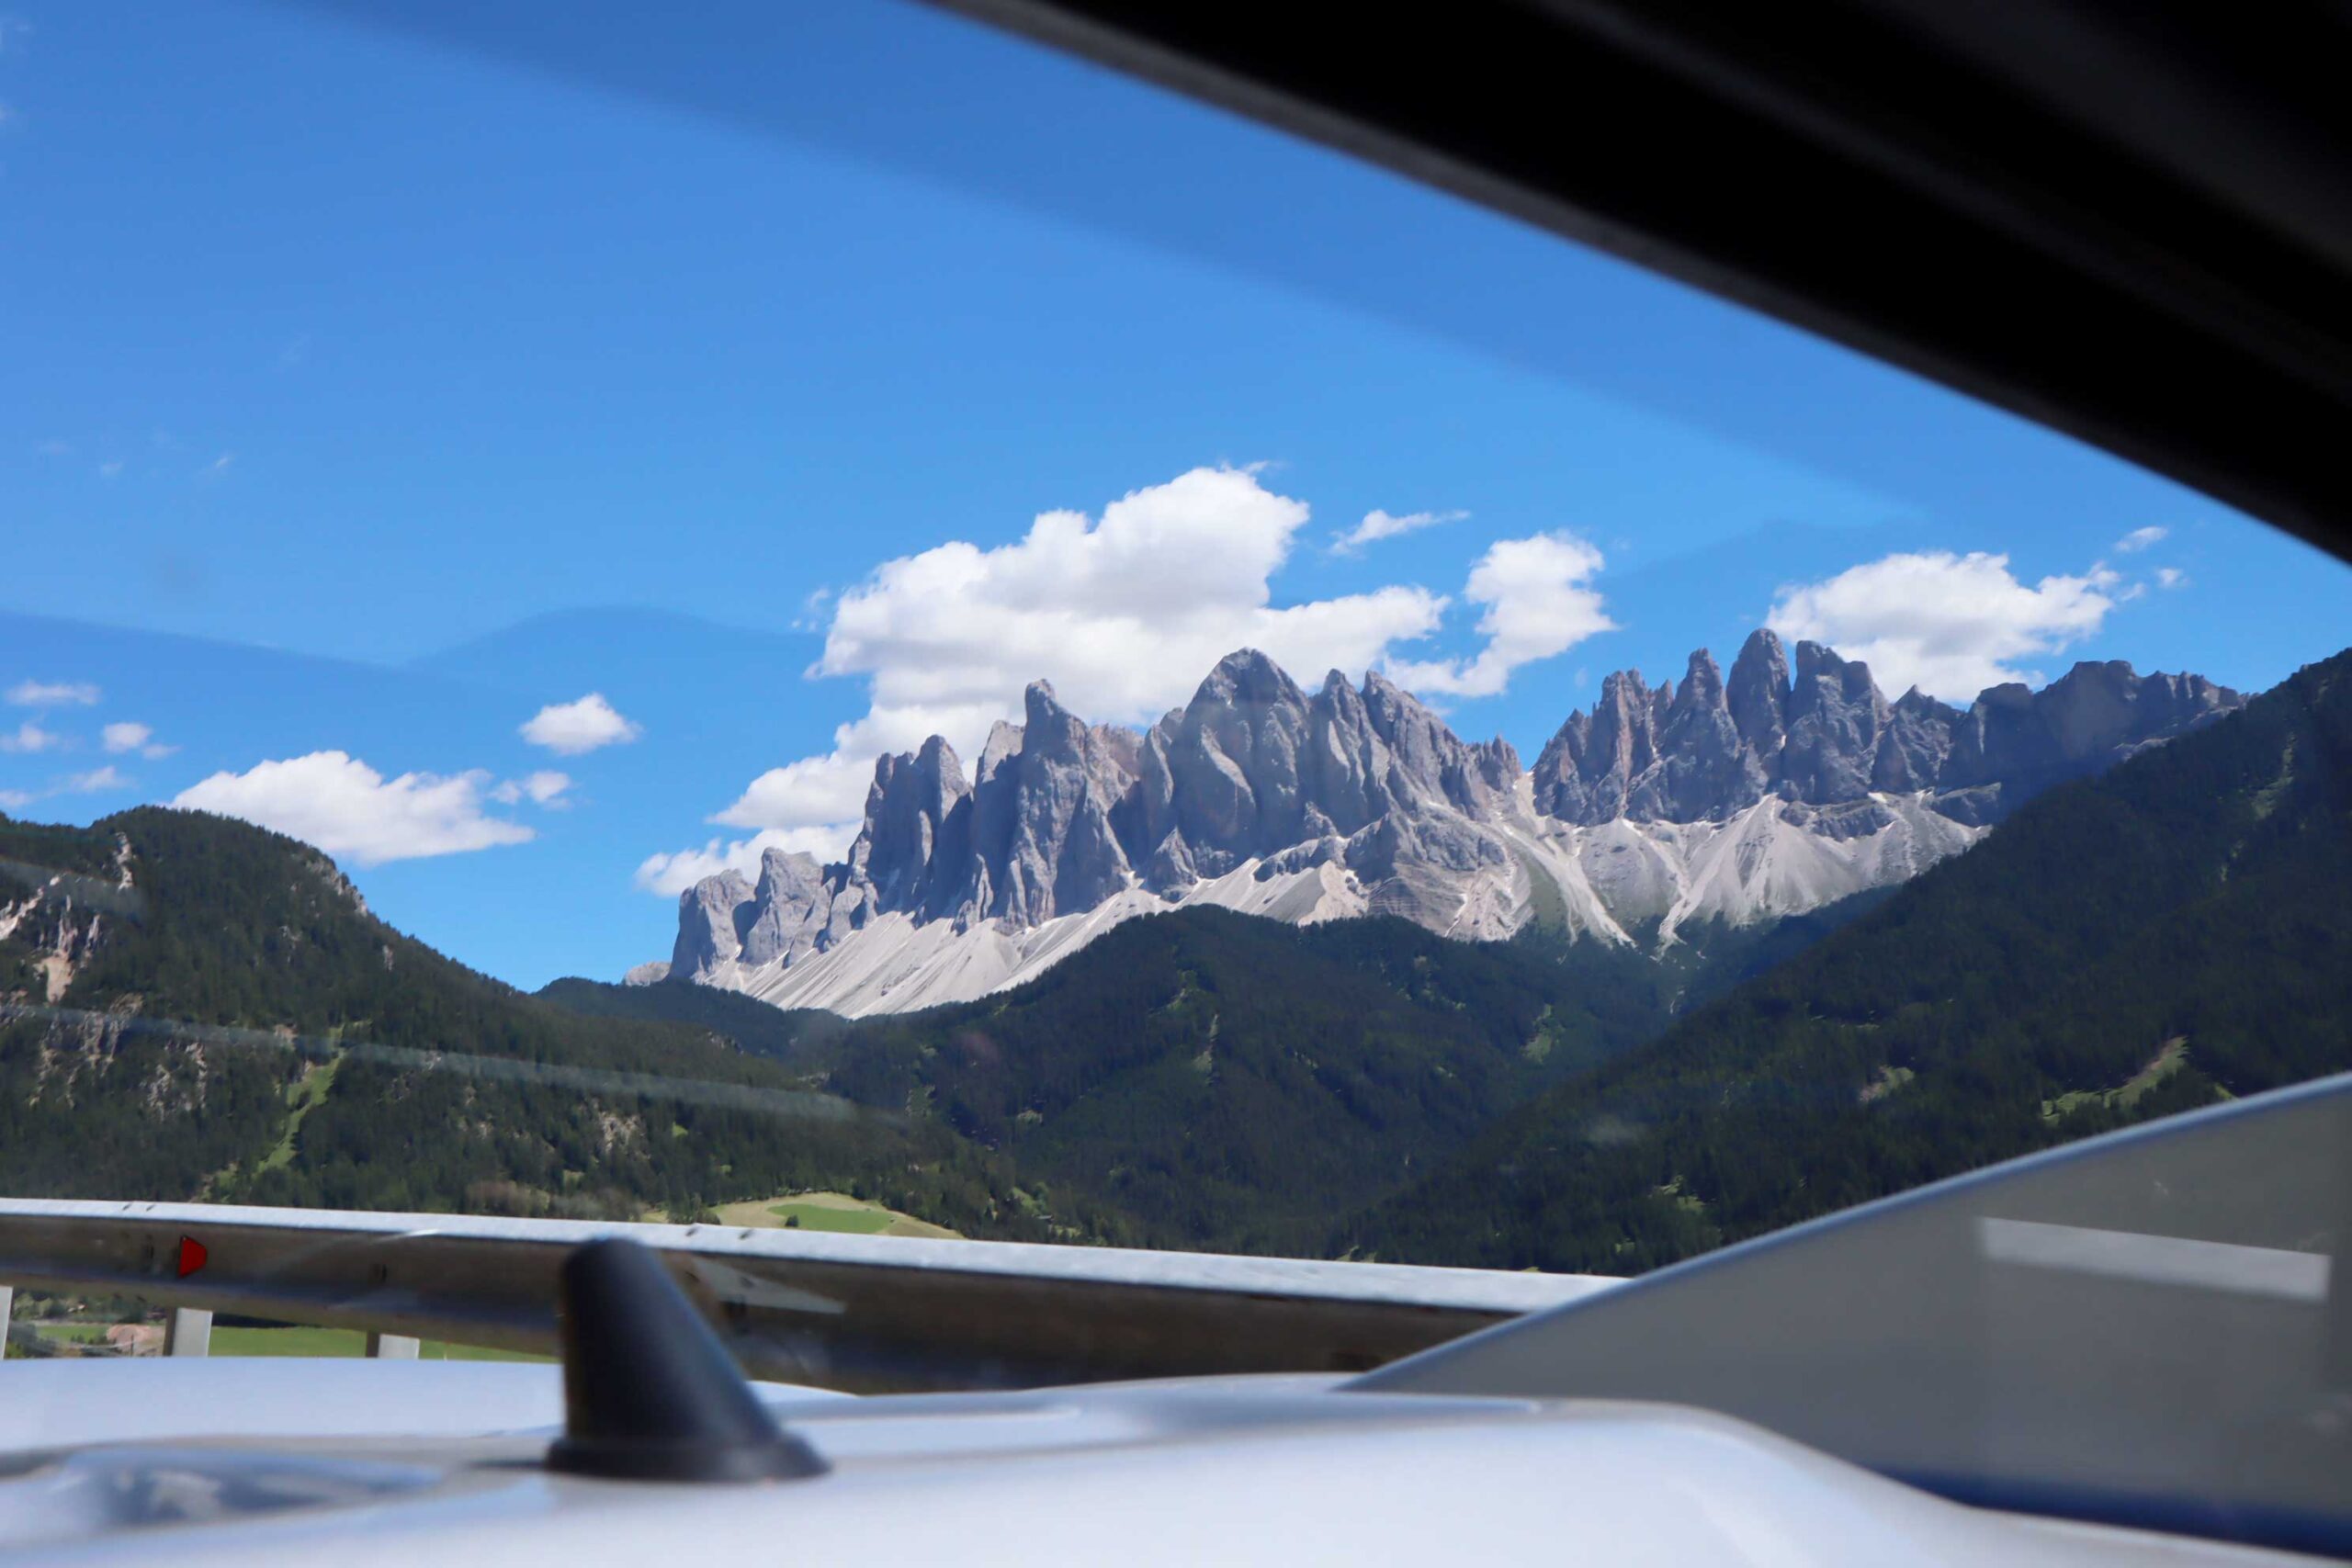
(1264, 1470)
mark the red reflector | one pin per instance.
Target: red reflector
(192, 1255)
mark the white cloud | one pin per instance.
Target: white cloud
(2171, 577)
(216, 468)
(672, 875)
(119, 738)
(1949, 624)
(1124, 614)
(2141, 539)
(95, 781)
(544, 787)
(30, 737)
(1379, 524)
(340, 804)
(1538, 604)
(91, 782)
(571, 729)
(52, 693)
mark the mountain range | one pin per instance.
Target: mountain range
(1738, 801)
(193, 1008)
(2169, 934)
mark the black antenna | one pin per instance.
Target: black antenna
(648, 1392)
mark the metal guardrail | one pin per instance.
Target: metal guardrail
(864, 1313)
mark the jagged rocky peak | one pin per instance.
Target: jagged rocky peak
(1358, 798)
(907, 811)
(1433, 765)
(2092, 717)
(707, 936)
(1825, 736)
(1059, 815)
(1834, 718)
(792, 908)
(1223, 772)
(1041, 841)
(1665, 755)
(1916, 746)
(1757, 694)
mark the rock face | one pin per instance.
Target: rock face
(1828, 737)
(1742, 799)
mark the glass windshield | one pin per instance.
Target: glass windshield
(819, 618)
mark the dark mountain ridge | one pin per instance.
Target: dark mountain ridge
(2173, 930)
(192, 1007)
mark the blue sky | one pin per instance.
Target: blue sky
(368, 394)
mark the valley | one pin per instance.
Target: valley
(196, 1008)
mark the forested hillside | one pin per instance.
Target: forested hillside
(1208, 1080)
(790, 1036)
(193, 1007)
(2178, 931)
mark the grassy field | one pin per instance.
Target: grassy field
(295, 1341)
(2162, 1065)
(305, 1341)
(74, 1333)
(301, 1099)
(828, 1211)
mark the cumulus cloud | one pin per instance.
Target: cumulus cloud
(1949, 624)
(571, 729)
(1539, 602)
(1123, 613)
(15, 799)
(338, 803)
(544, 787)
(30, 737)
(671, 874)
(121, 738)
(1378, 525)
(2141, 539)
(52, 693)
(2171, 577)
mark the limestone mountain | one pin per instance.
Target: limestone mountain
(1739, 801)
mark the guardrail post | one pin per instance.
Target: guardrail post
(7, 1300)
(188, 1332)
(391, 1346)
